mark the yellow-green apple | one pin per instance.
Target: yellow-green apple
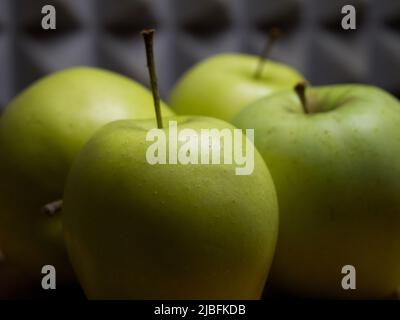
(172, 231)
(142, 230)
(224, 84)
(334, 155)
(41, 131)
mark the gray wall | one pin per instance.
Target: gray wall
(105, 33)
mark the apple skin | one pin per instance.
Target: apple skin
(337, 176)
(41, 131)
(224, 84)
(140, 231)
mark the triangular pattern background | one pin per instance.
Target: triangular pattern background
(105, 33)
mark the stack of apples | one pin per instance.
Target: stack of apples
(77, 193)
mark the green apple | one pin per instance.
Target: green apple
(223, 85)
(41, 131)
(173, 231)
(334, 155)
(142, 230)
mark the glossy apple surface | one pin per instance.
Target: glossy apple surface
(223, 85)
(168, 231)
(41, 131)
(337, 175)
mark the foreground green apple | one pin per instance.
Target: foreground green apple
(138, 229)
(336, 166)
(41, 131)
(223, 85)
(141, 231)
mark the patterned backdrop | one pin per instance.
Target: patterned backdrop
(105, 33)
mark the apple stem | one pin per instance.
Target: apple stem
(148, 36)
(273, 35)
(300, 89)
(52, 208)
